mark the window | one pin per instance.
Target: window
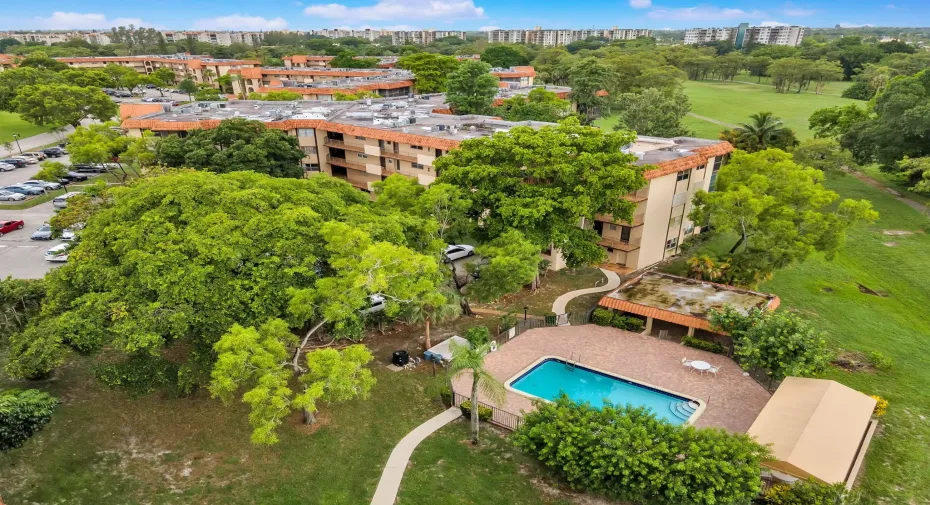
(683, 176)
(689, 230)
(357, 137)
(306, 132)
(625, 233)
(418, 148)
(671, 243)
(613, 227)
(418, 165)
(390, 162)
(700, 167)
(361, 155)
(308, 149)
(610, 249)
(674, 222)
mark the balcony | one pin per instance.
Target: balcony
(338, 144)
(619, 245)
(638, 220)
(342, 162)
(640, 196)
(398, 156)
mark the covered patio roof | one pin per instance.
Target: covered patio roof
(681, 300)
(816, 428)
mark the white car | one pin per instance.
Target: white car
(37, 156)
(459, 251)
(9, 196)
(48, 185)
(59, 253)
(6, 167)
(67, 235)
(375, 304)
(29, 160)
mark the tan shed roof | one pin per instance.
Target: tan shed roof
(815, 428)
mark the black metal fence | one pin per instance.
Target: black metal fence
(570, 318)
(502, 418)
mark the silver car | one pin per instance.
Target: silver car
(6, 167)
(43, 233)
(9, 196)
(43, 184)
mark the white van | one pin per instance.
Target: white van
(62, 201)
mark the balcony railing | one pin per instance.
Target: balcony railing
(342, 145)
(398, 156)
(342, 162)
(619, 245)
(638, 220)
(640, 196)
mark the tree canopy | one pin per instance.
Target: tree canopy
(653, 113)
(504, 56)
(62, 104)
(543, 182)
(431, 70)
(538, 105)
(471, 89)
(236, 144)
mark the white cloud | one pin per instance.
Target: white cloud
(239, 22)
(79, 21)
(640, 4)
(853, 25)
(488, 28)
(772, 23)
(702, 13)
(384, 10)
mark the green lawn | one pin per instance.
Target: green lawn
(11, 123)
(733, 102)
(897, 325)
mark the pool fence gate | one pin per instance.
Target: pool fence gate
(502, 418)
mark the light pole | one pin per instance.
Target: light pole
(16, 138)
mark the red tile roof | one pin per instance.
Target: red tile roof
(516, 72)
(128, 110)
(331, 91)
(699, 158)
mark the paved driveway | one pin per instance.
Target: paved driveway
(21, 257)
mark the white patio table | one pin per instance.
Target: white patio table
(700, 366)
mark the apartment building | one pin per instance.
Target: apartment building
(264, 79)
(515, 76)
(338, 33)
(366, 141)
(307, 61)
(219, 38)
(56, 37)
(740, 35)
(199, 68)
(551, 38)
(424, 37)
(7, 61)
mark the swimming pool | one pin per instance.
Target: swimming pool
(549, 377)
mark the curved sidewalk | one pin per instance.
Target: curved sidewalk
(393, 472)
(613, 282)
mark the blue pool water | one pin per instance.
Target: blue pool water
(551, 377)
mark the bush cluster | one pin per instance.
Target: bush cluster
(144, 374)
(607, 317)
(806, 493)
(484, 413)
(478, 336)
(704, 345)
(22, 413)
(628, 454)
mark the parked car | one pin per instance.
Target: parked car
(375, 304)
(76, 177)
(48, 185)
(15, 162)
(9, 196)
(88, 169)
(458, 251)
(43, 233)
(28, 159)
(54, 152)
(122, 94)
(61, 202)
(6, 167)
(25, 189)
(59, 253)
(8, 226)
(35, 156)
(67, 235)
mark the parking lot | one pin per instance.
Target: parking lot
(18, 175)
(21, 257)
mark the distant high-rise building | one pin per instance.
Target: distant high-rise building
(550, 38)
(772, 35)
(424, 37)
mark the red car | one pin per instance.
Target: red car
(8, 226)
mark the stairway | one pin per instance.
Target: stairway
(682, 409)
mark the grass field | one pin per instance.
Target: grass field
(895, 265)
(733, 102)
(11, 123)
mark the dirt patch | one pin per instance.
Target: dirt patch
(869, 291)
(322, 419)
(827, 290)
(896, 233)
(889, 244)
(853, 361)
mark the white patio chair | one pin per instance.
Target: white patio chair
(713, 370)
(685, 362)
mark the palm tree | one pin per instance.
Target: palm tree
(470, 360)
(762, 131)
(208, 75)
(436, 311)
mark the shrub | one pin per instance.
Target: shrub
(628, 454)
(140, 375)
(880, 361)
(881, 405)
(860, 90)
(808, 492)
(484, 413)
(478, 335)
(704, 345)
(22, 413)
(602, 317)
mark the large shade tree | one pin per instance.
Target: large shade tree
(63, 104)
(543, 182)
(431, 70)
(471, 89)
(653, 113)
(174, 261)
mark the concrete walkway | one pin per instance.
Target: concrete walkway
(400, 456)
(613, 282)
(712, 120)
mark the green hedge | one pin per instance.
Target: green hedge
(607, 317)
(704, 345)
(484, 413)
(22, 413)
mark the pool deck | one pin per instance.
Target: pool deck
(733, 400)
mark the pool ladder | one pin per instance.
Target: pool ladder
(572, 361)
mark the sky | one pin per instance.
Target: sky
(457, 14)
